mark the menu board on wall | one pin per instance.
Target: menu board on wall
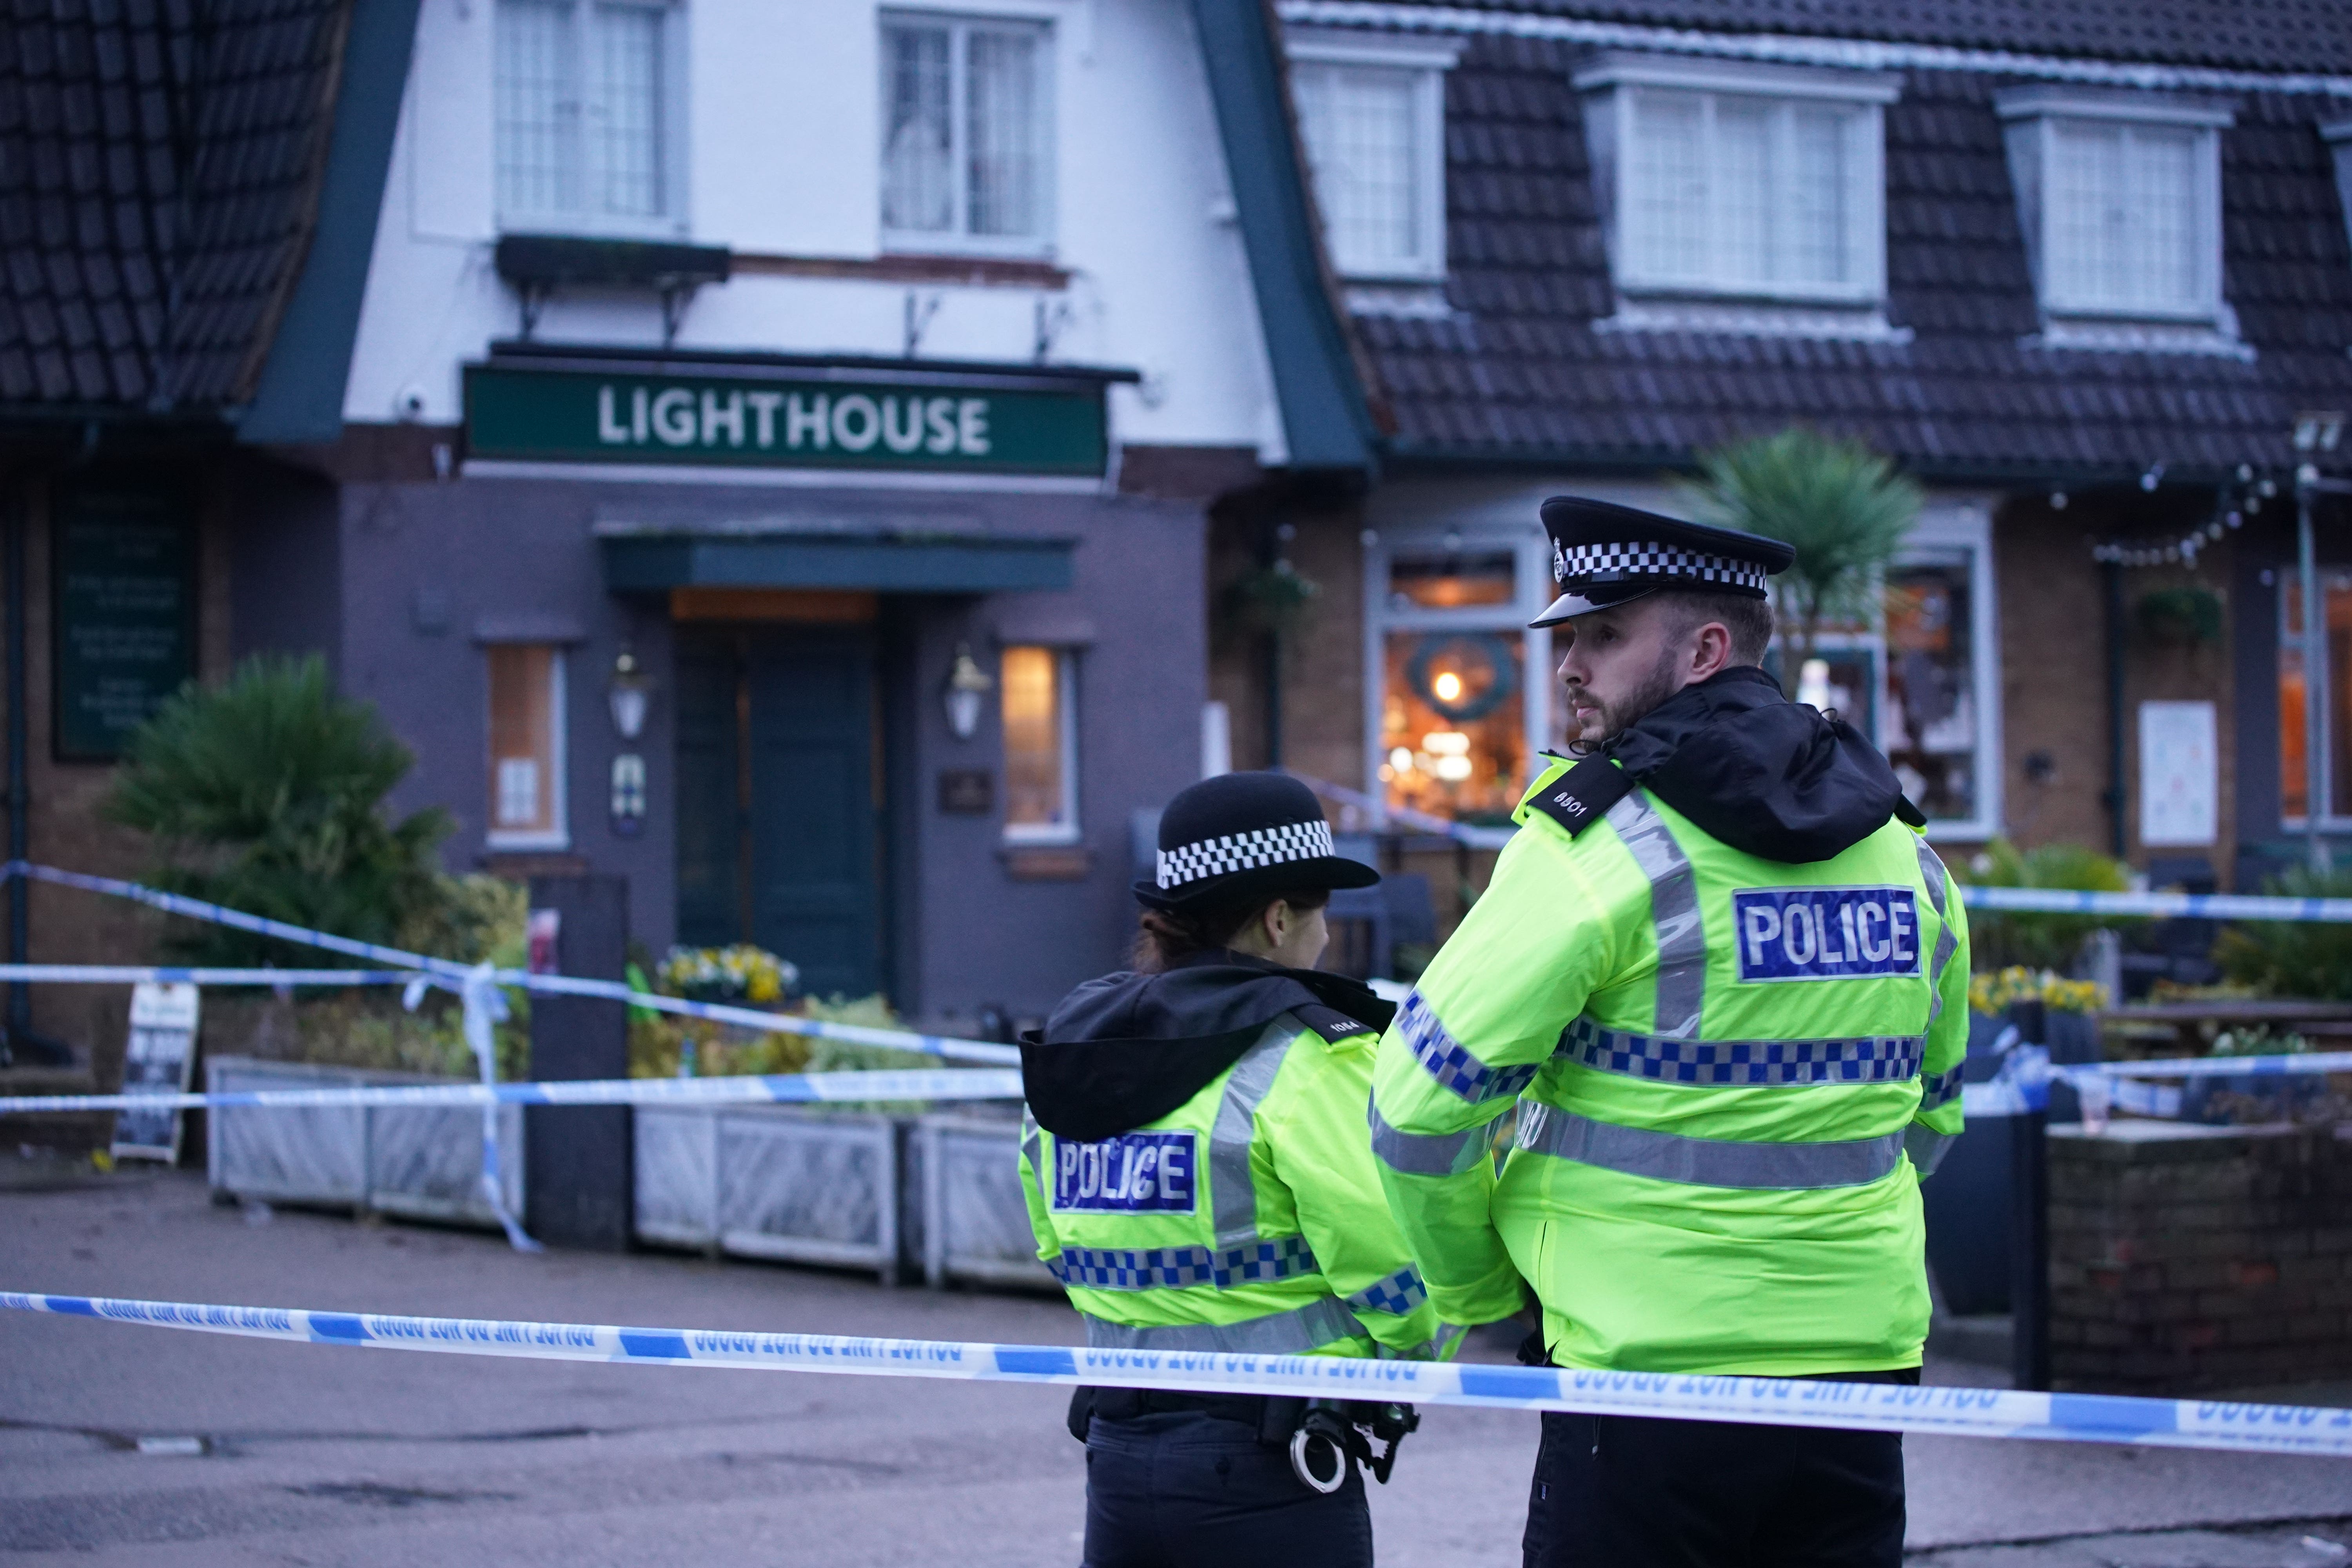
(124, 610)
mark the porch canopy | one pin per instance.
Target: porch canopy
(877, 555)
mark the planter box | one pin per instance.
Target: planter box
(771, 1181)
(422, 1164)
(975, 1217)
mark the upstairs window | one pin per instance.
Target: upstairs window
(2120, 197)
(1725, 179)
(586, 112)
(1372, 113)
(966, 136)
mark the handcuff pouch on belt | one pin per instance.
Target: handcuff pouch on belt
(1321, 1436)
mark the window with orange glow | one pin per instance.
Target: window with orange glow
(1452, 580)
(1041, 784)
(2336, 697)
(1453, 722)
(526, 781)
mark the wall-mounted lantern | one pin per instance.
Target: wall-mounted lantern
(967, 683)
(629, 694)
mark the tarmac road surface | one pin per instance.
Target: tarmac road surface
(123, 1446)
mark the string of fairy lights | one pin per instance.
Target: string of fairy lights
(2241, 496)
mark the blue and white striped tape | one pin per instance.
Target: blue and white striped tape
(1774, 1402)
(779, 1089)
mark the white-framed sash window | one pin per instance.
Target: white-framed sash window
(526, 808)
(588, 128)
(967, 134)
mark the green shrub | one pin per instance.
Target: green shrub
(2294, 958)
(1998, 941)
(267, 794)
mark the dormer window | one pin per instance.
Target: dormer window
(2119, 194)
(1727, 180)
(1371, 111)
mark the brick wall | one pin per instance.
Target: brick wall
(2200, 1258)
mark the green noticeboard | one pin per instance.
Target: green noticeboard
(784, 420)
(125, 612)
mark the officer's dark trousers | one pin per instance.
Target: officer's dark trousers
(1186, 1489)
(1614, 1492)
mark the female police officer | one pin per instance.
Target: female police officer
(1200, 1177)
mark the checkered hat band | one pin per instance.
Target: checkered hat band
(1633, 558)
(1244, 851)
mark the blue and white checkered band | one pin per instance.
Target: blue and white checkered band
(1634, 558)
(1209, 858)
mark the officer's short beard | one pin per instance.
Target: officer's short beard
(1616, 718)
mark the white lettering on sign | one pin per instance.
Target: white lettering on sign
(819, 422)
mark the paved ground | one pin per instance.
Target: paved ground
(122, 1445)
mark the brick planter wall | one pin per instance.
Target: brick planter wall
(2186, 1257)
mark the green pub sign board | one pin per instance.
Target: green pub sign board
(783, 420)
(124, 557)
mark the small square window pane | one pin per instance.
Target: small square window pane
(1005, 135)
(918, 172)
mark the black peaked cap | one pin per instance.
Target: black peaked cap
(1605, 555)
(1239, 836)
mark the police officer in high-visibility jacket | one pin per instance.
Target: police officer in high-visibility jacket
(1198, 1178)
(1723, 982)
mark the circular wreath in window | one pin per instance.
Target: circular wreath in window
(1463, 675)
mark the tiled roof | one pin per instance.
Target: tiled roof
(159, 170)
(2250, 35)
(1519, 369)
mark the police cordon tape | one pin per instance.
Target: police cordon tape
(775, 1088)
(1764, 1401)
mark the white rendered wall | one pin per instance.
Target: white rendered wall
(781, 137)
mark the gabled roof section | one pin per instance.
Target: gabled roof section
(2246, 35)
(161, 167)
(1327, 422)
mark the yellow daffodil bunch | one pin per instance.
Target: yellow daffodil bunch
(739, 973)
(1992, 994)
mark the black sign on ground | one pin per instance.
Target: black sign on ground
(123, 558)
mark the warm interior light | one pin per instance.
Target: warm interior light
(1452, 770)
(1447, 687)
(1446, 744)
(1401, 760)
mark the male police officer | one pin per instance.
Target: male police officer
(1725, 984)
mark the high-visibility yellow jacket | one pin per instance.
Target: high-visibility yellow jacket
(1249, 1218)
(1728, 1073)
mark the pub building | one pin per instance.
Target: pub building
(817, 542)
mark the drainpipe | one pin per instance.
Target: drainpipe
(2117, 799)
(20, 998)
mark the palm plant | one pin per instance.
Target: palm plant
(1845, 508)
(267, 794)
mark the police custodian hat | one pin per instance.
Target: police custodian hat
(1604, 555)
(1242, 835)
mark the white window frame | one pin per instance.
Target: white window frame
(672, 220)
(1611, 87)
(2323, 681)
(1069, 830)
(958, 240)
(1533, 589)
(558, 763)
(1426, 59)
(2032, 117)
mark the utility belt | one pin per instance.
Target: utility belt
(1323, 1436)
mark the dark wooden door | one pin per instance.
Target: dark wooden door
(779, 828)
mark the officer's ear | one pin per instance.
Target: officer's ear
(1710, 649)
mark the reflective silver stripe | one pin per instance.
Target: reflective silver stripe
(1674, 911)
(1307, 1328)
(1232, 1188)
(1882, 1059)
(1941, 1089)
(1432, 1349)
(1425, 1153)
(1931, 870)
(1450, 1062)
(1927, 1148)
(1399, 1293)
(1705, 1161)
(1180, 1267)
